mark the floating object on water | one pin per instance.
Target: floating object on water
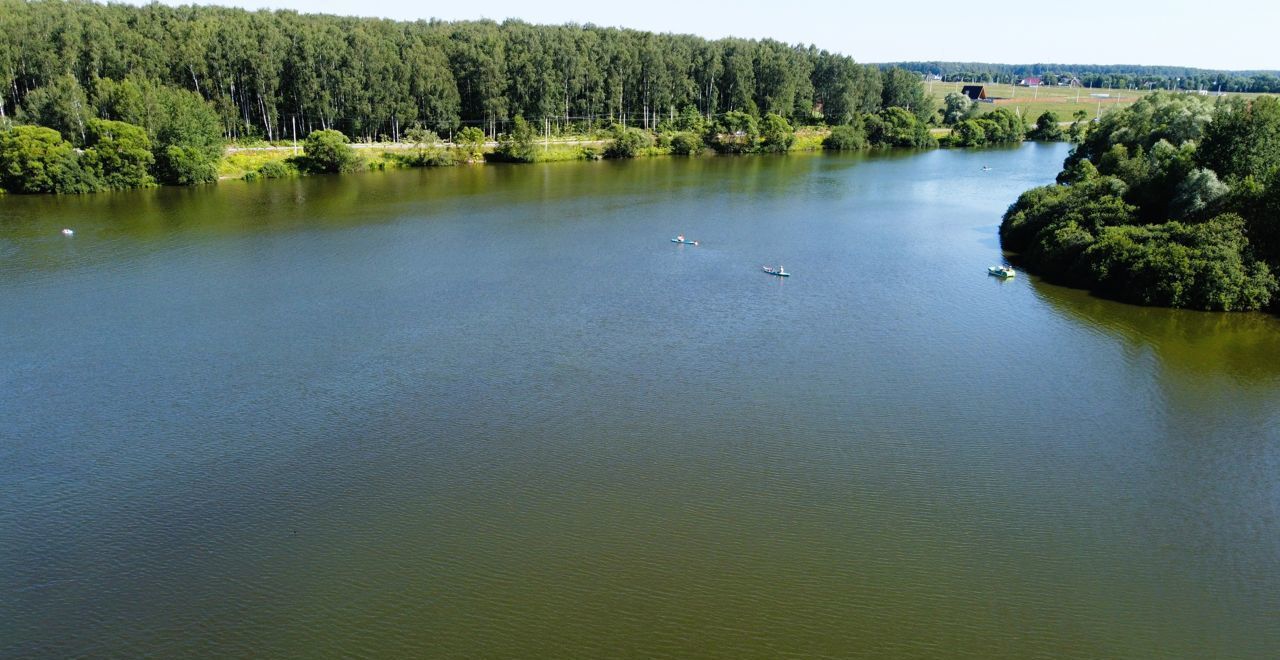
(1001, 271)
(68, 232)
(681, 239)
(986, 168)
(775, 271)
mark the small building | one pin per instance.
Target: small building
(975, 92)
(1031, 82)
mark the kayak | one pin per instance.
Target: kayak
(683, 242)
(775, 271)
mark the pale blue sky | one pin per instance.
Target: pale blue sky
(1225, 34)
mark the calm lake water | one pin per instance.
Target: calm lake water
(495, 412)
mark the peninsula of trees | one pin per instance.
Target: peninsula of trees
(1174, 201)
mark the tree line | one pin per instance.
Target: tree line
(1117, 76)
(1173, 201)
(277, 74)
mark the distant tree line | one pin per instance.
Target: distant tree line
(1119, 76)
(1173, 201)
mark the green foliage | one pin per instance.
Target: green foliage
(276, 169)
(1197, 192)
(844, 90)
(186, 133)
(691, 121)
(686, 143)
(267, 73)
(1078, 172)
(518, 145)
(117, 154)
(1243, 139)
(427, 152)
(60, 105)
(1077, 132)
(902, 89)
(34, 159)
(896, 127)
(957, 107)
(1174, 118)
(1084, 234)
(470, 141)
(1003, 126)
(776, 134)
(1090, 205)
(734, 133)
(1047, 128)
(424, 158)
(421, 138)
(1202, 266)
(968, 133)
(329, 151)
(1107, 225)
(627, 142)
(184, 129)
(846, 138)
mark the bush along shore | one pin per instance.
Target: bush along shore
(1174, 201)
(115, 155)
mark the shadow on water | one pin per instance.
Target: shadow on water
(1242, 346)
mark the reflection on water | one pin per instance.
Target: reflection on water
(1244, 346)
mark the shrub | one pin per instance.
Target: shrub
(518, 145)
(329, 151)
(734, 132)
(1047, 128)
(470, 141)
(845, 138)
(34, 159)
(968, 133)
(627, 143)
(118, 154)
(896, 127)
(686, 143)
(776, 134)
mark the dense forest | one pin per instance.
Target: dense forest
(1174, 201)
(102, 97)
(1119, 76)
(268, 74)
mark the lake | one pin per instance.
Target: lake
(493, 411)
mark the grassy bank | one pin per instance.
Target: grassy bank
(248, 159)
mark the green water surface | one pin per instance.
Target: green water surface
(493, 412)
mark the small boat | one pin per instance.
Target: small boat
(775, 271)
(683, 241)
(986, 168)
(68, 232)
(1001, 271)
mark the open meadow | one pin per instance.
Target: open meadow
(1030, 102)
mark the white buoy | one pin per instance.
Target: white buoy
(68, 232)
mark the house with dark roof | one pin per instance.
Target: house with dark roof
(974, 92)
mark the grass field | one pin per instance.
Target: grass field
(1032, 102)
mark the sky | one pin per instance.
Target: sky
(1225, 34)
